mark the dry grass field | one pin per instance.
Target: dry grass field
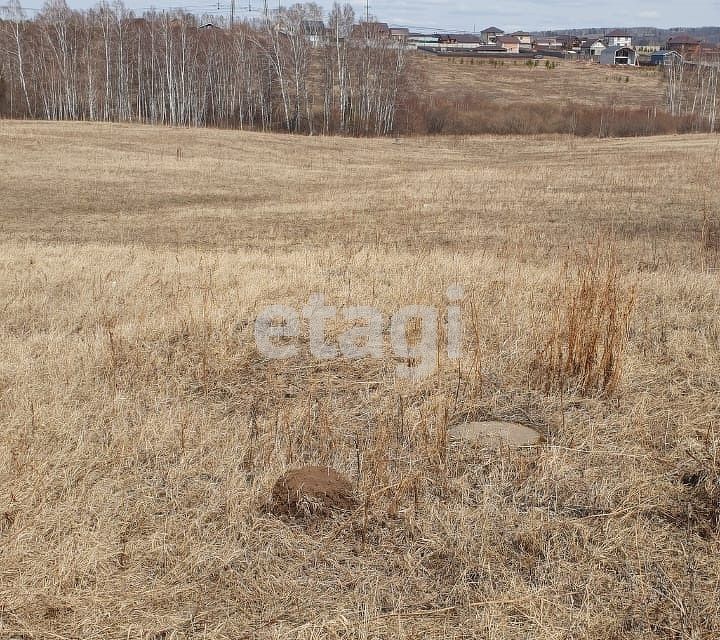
(580, 82)
(142, 432)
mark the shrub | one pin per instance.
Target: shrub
(469, 114)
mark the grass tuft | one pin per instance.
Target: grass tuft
(585, 347)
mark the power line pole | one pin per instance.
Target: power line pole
(367, 10)
(232, 13)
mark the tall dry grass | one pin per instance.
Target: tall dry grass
(142, 431)
(588, 338)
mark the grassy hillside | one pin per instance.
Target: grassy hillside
(142, 431)
(583, 83)
(467, 96)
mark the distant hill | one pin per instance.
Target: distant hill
(711, 35)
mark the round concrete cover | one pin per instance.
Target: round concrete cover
(511, 433)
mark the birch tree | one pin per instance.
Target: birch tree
(166, 68)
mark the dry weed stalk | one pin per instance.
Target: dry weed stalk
(710, 241)
(588, 338)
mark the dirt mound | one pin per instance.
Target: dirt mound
(311, 491)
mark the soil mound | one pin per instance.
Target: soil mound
(311, 491)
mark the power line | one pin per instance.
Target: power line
(231, 8)
(7, 7)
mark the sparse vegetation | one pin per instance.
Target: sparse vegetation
(142, 433)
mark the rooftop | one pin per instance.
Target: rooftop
(375, 28)
(458, 37)
(683, 38)
(313, 27)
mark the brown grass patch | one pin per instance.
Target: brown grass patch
(142, 432)
(589, 337)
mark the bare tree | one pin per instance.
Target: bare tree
(13, 24)
(692, 88)
(166, 68)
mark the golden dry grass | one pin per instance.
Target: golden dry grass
(585, 83)
(142, 432)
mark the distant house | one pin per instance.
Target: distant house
(524, 37)
(491, 34)
(370, 30)
(646, 44)
(568, 42)
(399, 33)
(458, 41)
(685, 45)
(511, 44)
(664, 58)
(546, 43)
(619, 56)
(709, 50)
(467, 40)
(594, 47)
(618, 38)
(315, 31)
(417, 40)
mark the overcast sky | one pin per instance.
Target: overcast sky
(468, 16)
(549, 14)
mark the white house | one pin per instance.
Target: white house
(619, 38)
(596, 47)
(417, 40)
(491, 34)
(524, 37)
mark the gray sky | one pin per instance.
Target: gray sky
(552, 14)
(464, 16)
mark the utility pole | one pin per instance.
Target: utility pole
(367, 10)
(232, 13)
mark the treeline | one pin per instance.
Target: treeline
(284, 74)
(106, 64)
(693, 88)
